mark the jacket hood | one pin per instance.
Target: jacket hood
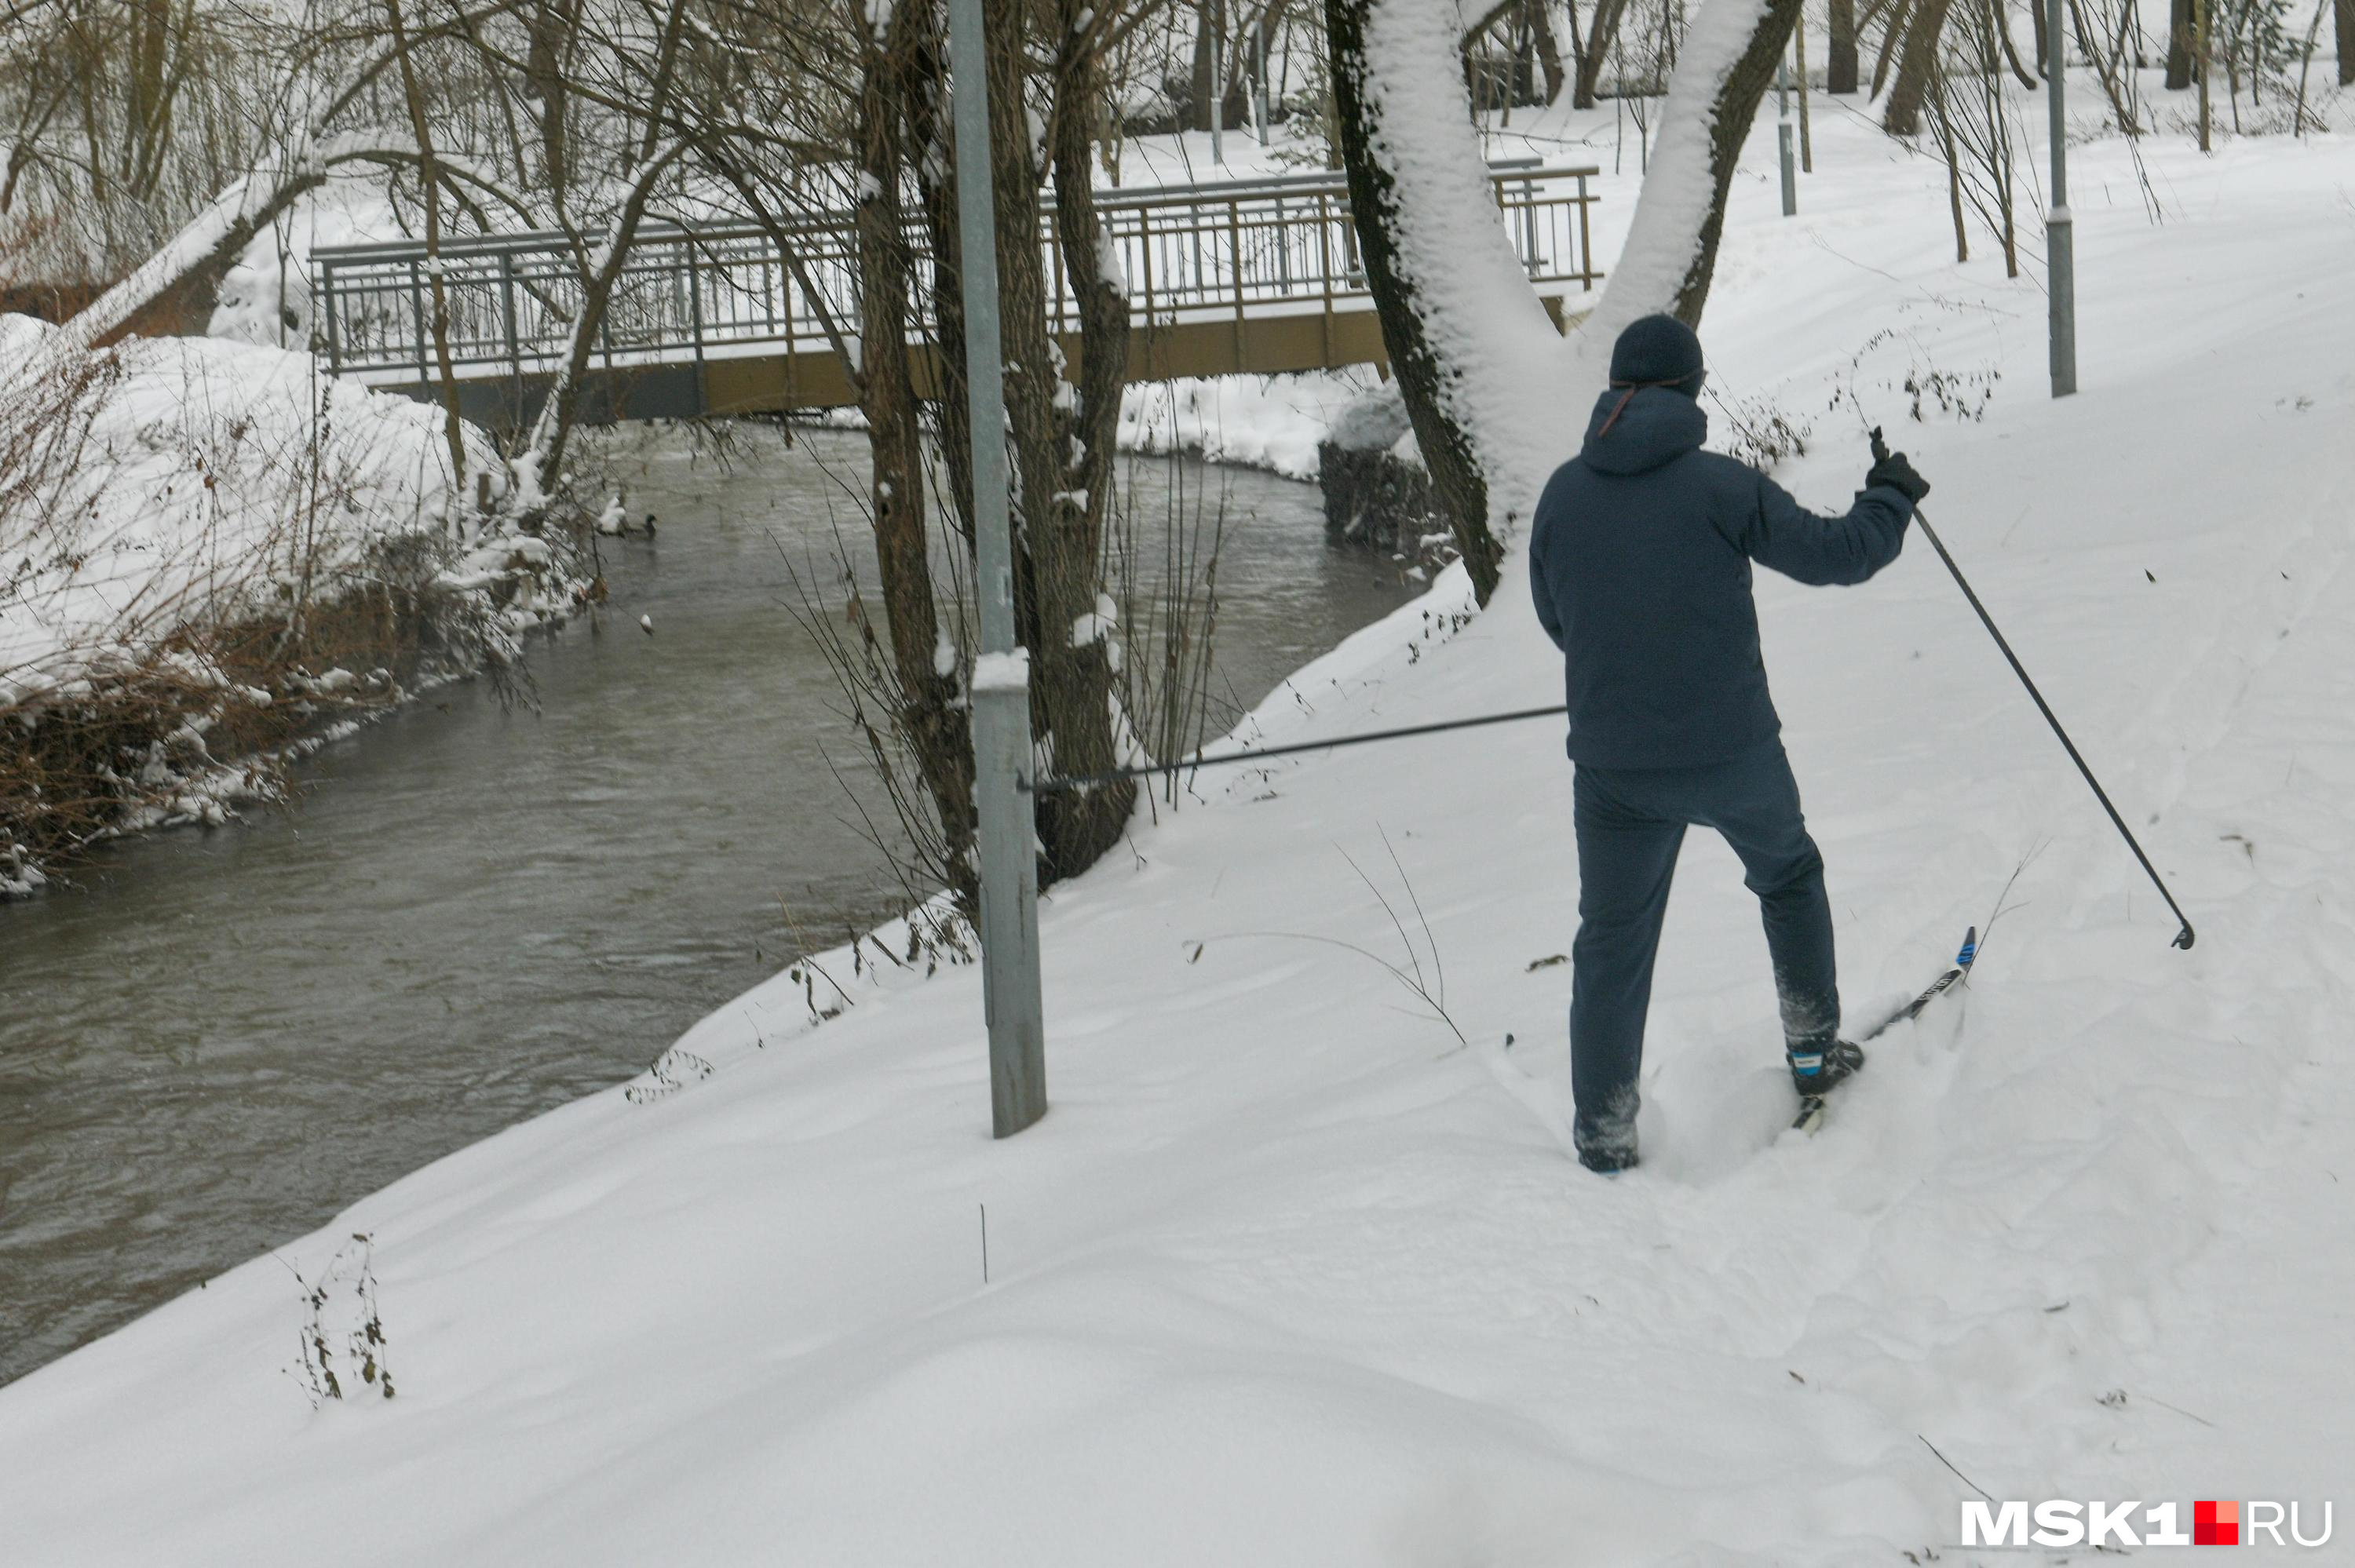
(1657, 424)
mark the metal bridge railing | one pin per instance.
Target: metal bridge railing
(1188, 253)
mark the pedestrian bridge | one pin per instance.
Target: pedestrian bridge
(1248, 278)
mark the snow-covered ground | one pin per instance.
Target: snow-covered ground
(1289, 1276)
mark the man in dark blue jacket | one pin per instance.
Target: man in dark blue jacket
(1639, 557)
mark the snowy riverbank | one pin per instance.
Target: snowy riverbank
(1288, 1276)
(211, 550)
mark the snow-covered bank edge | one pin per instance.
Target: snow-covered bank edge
(1272, 423)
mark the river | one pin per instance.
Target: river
(219, 1038)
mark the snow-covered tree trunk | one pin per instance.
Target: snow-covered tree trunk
(1426, 218)
(1494, 396)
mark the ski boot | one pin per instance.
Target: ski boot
(1816, 1068)
(1815, 1071)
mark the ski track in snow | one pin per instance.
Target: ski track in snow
(1289, 1278)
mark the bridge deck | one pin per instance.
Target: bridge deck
(1260, 278)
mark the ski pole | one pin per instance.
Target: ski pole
(2184, 937)
(1153, 770)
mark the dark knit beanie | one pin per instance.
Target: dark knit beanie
(1657, 350)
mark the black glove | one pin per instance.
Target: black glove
(1892, 470)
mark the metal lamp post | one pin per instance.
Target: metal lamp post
(1783, 136)
(1217, 23)
(2060, 229)
(1001, 698)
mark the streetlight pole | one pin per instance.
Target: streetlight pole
(1216, 22)
(1001, 684)
(2060, 229)
(1259, 75)
(1783, 135)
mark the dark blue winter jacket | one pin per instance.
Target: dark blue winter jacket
(1639, 557)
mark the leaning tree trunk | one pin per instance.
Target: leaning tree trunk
(1732, 106)
(1892, 33)
(1916, 67)
(539, 461)
(2343, 19)
(1494, 395)
(1541, 17)
(1839, 62)
(2029, 80)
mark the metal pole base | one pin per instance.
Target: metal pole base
(1010, 909)
(2061, 249)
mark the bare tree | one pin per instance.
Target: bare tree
(897, 70)
(1971, 116)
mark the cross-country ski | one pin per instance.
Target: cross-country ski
(1812, 1105)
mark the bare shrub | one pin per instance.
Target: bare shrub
(343, 1326)
(1155, 625)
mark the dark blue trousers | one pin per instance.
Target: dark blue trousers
(1631, 822)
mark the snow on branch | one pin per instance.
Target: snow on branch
(1501, 365)
(1496, 398)
(1724, 68)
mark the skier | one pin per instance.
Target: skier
(1639, 559)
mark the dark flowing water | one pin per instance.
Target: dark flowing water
(220, 1038)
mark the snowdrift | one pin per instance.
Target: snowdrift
(1292, 1274)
